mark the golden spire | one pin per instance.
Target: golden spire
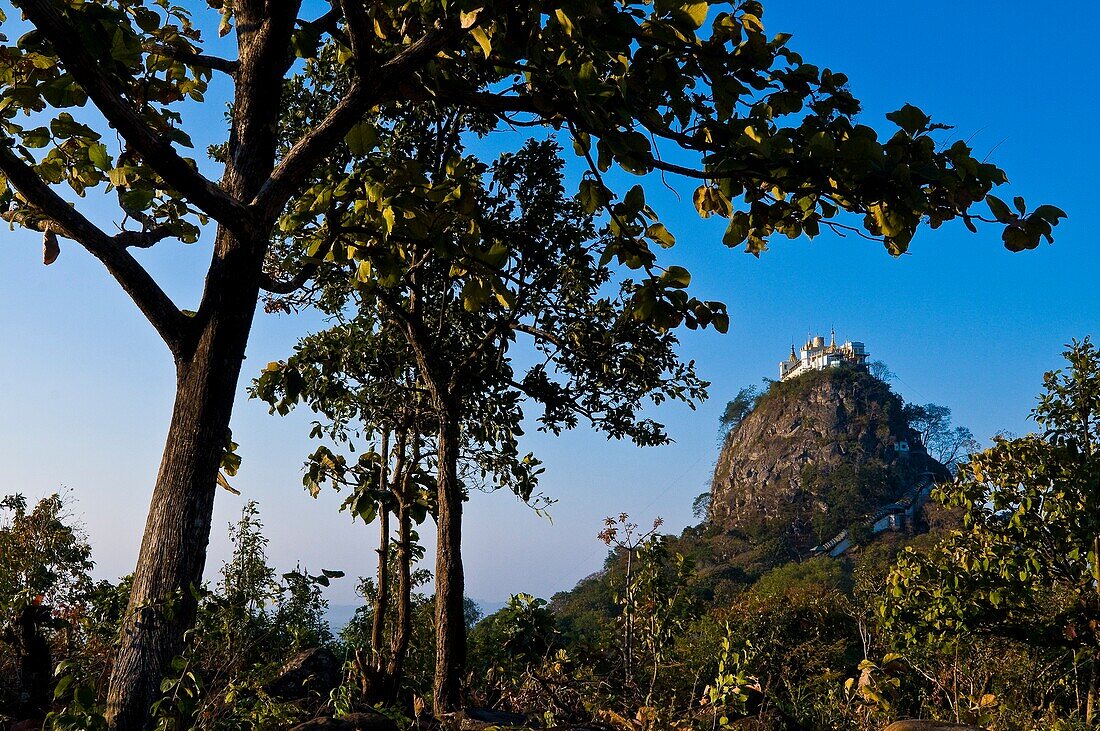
(832, 340)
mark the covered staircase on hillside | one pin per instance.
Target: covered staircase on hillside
(894, 516)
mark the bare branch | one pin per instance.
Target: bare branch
(499, 104)
(192, 58)
(270, 284)
(165, 317)
(141, 239)
(549, 337)
(156, 151)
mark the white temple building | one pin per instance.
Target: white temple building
(815, 355)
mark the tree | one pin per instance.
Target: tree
(1026, 565)
(944, 441)
(881, 371)
(506, 258)
(246, 590)
(363, 382)
(771, 138)
(700, 507)
(737, 409)
(44, 573)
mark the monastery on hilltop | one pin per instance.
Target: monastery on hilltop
(815, 355)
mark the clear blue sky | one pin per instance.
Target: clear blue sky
(88, 387)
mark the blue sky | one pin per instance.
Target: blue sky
(964, 323)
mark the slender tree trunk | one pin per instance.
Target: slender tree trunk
(450, 619)
(35, 661)
(382, 593)
(403, 632)
(1094, 665)
(1090, 699)
(628, 609)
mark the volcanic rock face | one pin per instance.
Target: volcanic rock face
(817, 452)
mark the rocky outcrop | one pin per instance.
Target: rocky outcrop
(315, 671)
(816, 453)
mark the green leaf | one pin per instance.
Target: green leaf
(695, 12)
(97, 154)
(910, 118)
(37, 137)
(564, 21)
(84, 696)
(1050, 214)
(661, 235)
(305, 42)
(1017, 239)
(737, 231)
(62, 686)
(361, 138)
(999, 208)
(482, 39)
(592, 195)
(126, 48)
(467, 19)
(677, 277)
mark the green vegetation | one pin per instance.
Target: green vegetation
(990, 617)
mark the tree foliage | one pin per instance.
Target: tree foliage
(44, 587)
(1025, 565)
(737, 409)
(946, 442)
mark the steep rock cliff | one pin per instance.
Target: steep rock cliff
(816, 453)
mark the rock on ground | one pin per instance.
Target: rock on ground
(313, 671)
(350, 722)
(929, 726)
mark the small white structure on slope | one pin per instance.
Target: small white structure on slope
(815, 355)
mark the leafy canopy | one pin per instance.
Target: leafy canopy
(1027, 563)
(771, 138)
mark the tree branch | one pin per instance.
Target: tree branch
(164, 316)
(156, 151)
(540, 334)
(192, 57)
(498, 104)
(364, 93)
(275, 286)
(141, 239)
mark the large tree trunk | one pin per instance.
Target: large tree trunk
(208, 365)
(450, 617)
(173, 549)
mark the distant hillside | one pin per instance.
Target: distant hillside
(817, 453)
